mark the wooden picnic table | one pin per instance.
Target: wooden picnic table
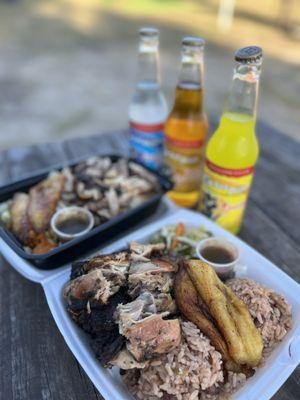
(36, 363)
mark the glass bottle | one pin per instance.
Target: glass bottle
(186, 127)
(232, 151)
(148, 108)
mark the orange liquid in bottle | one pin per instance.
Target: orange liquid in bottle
(185, 134)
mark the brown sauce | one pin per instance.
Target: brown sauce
(72, 226)
(217, 255)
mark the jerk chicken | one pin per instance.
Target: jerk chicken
(123, 302)
(102, 185)
(31, 213)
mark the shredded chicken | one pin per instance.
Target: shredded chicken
(92, 286)
(153, 276)
(125, 360)
(142, 252)
(153, 336)
(144, 275)
(128, 314)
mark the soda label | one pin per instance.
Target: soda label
(146, 142)
(225, 194)
(184, 157)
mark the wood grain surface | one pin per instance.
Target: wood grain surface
(36, 364)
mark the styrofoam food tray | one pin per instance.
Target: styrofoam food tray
(262, 385)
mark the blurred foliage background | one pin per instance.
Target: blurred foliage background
(67, 67)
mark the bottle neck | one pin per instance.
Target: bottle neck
(191, 73)
(148, 68)
(189, 91)
(243, 95)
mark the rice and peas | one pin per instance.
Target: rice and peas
(194, 370)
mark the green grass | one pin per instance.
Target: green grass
(149, 5)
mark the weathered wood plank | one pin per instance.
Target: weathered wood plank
(264, 235)
(109, 143)
(18, 163)
(276, 187)
(37, 363)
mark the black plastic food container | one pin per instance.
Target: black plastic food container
(71, 250)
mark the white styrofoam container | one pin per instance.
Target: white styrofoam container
(262, 385)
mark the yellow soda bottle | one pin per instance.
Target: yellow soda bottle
(233, 149)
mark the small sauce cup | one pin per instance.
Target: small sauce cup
(220, 254)
(71, 222)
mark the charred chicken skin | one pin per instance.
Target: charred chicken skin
(92, 298)
(122, 300)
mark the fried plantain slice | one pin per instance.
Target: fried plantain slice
(194, 310)
(231, 315)
(187, 301)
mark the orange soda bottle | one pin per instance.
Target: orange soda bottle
(186, 127)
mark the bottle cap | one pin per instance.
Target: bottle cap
(249, 54)
(193, 41)
(148, 32)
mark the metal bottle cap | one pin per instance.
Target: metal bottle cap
(193, 41)
(148, 32)
(249, 54)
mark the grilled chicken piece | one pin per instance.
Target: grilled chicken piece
(141, 171)
(92, 286)
(165, 303)
(153, 336)
(154, 276)
(19, 217)
(98, 278)
(165, 264)
(155, 266)
(116, 262)
(43, 199)
(97, 320)
(128, 314)
(143, 252)
(125, 361)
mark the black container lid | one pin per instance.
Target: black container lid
(249, 54)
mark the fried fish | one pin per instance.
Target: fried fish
(20, 222)
(43, 199)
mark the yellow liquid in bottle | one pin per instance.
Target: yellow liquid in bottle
(234, 143)
(231, 155)
(185, 133)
